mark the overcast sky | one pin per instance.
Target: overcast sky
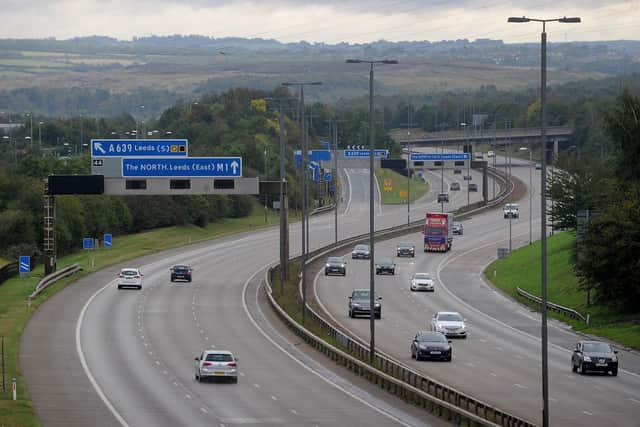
(329, 21)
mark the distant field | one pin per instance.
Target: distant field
(182, 72)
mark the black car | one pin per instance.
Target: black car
(335, 265)
(443, 197)
(467, 177)
(385, 266)
(181, 272)
(360, 304)
(431, 345)
(473, 187)
(594, 356)
(361, 252)
(406, 249)
(457, 171)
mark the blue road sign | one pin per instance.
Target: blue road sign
(327, 176)
(318, 155)
(24, 262)
(365, 153)
(439, 156)
(87, 243)
(107, 240)
(139, 147)
(230, 167)
(326, 144)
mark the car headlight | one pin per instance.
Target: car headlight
(342, 265)
(355, 304)
(587, 359)
(614, 358)
(328, 265)
(377, 304)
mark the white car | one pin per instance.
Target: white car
(511, 210)
(217, 364)
(491, 154)
(450, 323)
(422, 282)
(130, 278)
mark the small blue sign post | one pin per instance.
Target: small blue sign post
(24, 262)
(229, 167)
(87, 243)
(139, 148)
(439, 156)
(107, 241)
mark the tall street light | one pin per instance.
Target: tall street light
(304, 221)
(543, 200)
(372, 298)
(40, 123)
(409, 124)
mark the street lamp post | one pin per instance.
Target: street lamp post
(409, 124)
(303, 168)
(40, 123)
(543, 202)
(371, 200)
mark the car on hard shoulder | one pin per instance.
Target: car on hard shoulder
(360, 303)
(511, 210)
(458, 228)
(181, 272)
(450, 323)
(335, 265)
(361, 252)
(422, 282)
(431, 345)
(594, 356)
(473, 187)
(406, 249)
(443, 197)
(385, 266)
(217, 364)
(455, 186)
(130, 278)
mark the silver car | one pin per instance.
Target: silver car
(217, 364)
(422, 282)
(450, 323)
(130, 278)
(361, 252)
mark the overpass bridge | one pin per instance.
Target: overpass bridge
(418, 137)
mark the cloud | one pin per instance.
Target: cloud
(330, 21)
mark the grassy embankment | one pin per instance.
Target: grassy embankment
(398, 193)
(522, 269)
(14, 311)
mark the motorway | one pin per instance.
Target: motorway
(93, 355)
(500, 361)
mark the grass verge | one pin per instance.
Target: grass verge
(396, 193)
(14, 311)
(522, 269)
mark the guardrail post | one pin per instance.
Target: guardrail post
(13, 388)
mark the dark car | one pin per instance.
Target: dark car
(473, 187)
(360, 304)
(443, 197)
(458, 228)
(406, 249)
(467, 177)
(385, 266)
(181, 272)
(455, 186)
(594, 356)
(335, 265)
(361, 252)
(457, 171)
(431, 345)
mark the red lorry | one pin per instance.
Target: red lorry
(438, 234)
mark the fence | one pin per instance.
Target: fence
(550, 305)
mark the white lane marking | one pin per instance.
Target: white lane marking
(346, 211)
(256, 385)
(520, 386)
(188, 396)
(483, 341)
(293, 411)
(518, 356)
(165, 372)
(322, 377)
(83, 361)
(378, 196)
(273, 397)
(493, 374)
(553, 399)
(634, 400)
(204, 410)
(471, 365)
(587, 413)
(499, 348)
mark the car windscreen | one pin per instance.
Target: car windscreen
(450, 317)
(423, 277)
(129, 273)
(597, 347)
(334, 260)
(218, 357)
(432, 338)
(362, 248)
(180, 268)
(360, 295)
(405, 245)
(385, 262)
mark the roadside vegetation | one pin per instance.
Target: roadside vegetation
(522, 269)
(15, 312)
(396, 193)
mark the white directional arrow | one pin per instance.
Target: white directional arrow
(234, 166)
(98, 147)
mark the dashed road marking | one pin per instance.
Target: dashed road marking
(204, 410)
(256, 385)
(273, 397)
(493, 374)
(293, 411)
(188, 396)
(499, 348)
(587, 413)
(520, 386)
(634, 400)
(519, 357)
